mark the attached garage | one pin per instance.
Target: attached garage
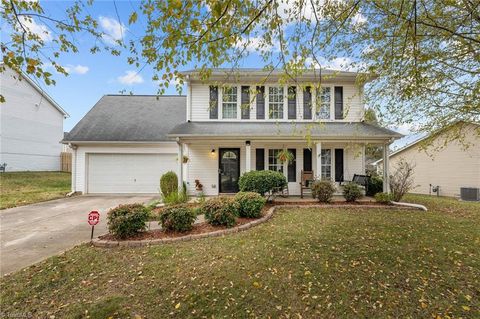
(127, 173)
(121, 145)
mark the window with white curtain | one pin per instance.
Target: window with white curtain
(326, 164)
(274, 163)
(229, 102)
(275, 102)
(323, 109)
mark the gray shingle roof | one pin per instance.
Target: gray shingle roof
(139, 118)
(330, 130)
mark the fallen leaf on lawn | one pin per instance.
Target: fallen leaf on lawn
(466, 308)
(177, 306)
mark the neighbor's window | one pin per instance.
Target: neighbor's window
(323, 109)
(274, 163)
(326, 164)
(229, 102)
(275, 102)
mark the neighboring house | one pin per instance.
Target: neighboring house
(31, 125)
(450, 166)
(232, 124)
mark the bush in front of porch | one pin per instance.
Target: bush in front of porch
(262, 182)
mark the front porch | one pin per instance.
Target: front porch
(218, 164)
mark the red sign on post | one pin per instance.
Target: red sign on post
(93, 218)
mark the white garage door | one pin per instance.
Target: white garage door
(128, 173)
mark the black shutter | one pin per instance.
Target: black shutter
(307, 103)
(213, 102)
(292, 103)
(307, 159)
(339, 102)
(260, 102)
(339, 165)
(260, 159)
(245, 102)
(292, 166)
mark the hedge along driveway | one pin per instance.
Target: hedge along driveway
(343, 263)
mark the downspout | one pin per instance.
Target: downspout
(74, 170)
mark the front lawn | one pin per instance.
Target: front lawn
(303, 263)
(23, 188)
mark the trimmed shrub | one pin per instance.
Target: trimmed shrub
(178, 218)
(384, 198)
(323, 191)
(220, 211)
(375, 185)
(169, 183)
(351, 192)
(127, 220)
(250, 204)
(261, 182)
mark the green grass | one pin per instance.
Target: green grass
(23, 188)
(304, 263)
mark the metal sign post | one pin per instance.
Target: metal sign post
(93, 219)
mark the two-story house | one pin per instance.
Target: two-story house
(235, 122)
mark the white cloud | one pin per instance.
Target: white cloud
(338, 64)
(130, 78)
(76, 69)
(359, 19)
(255, 44)
(37, 28)
(113, 30)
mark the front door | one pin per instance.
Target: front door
(228, 169)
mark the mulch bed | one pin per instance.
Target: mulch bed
(200, 228)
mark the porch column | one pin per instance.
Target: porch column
(318, 157)
(248, 157)
(386, 174)
(180, 164)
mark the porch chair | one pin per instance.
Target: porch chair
(358, 179)
(306, 180)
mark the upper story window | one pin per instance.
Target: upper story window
(323, 109)
(275, 102)
(229, 102)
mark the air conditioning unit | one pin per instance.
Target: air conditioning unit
(470, 194)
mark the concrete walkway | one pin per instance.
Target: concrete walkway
(29, 234)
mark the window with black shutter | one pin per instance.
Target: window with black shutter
(292, 166)
(307, 159)
(260, 102)
(260, 159)
(307, 103)
(245, 102)
(292, 103)
(339, 102)
(213, 102)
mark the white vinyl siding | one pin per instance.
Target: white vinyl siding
(352, 102)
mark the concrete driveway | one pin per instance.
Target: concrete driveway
(29, 234)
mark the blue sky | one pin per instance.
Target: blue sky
(92, 76)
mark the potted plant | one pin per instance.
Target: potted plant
(198, 186)
(285, 156)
